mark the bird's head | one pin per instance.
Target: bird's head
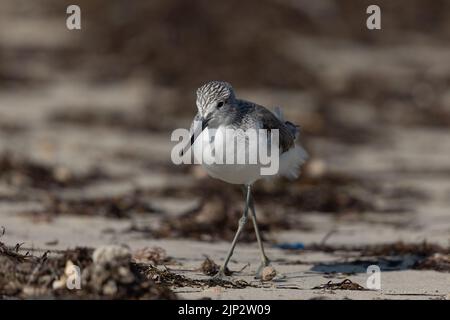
(213, 98)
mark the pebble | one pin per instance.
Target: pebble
(268, 273)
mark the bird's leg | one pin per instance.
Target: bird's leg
(242, 222)
(264, 260)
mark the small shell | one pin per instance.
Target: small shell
(268, 273)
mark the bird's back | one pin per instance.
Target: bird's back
(253, 116)
(243, 115)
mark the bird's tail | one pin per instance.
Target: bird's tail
(293, 128)
(291, 161)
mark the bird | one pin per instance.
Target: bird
(219, 110)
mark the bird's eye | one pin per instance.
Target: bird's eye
(220, 104)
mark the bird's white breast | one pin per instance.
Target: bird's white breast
(207, 148)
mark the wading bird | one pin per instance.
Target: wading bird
(219, 110)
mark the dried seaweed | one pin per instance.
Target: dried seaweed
(121, 206)
(13, 253)
(336, 193)
(121, 282)
(423, 249)
(141, 122)
(437, 262)
(346, 284)
(216, 219)
(27, 173)
(221, 205)
(169, 19)
(389, 249)
(7, 128)
(328, 192)
(170, 279)
(28, 276)
(209, 267)
(424, 255)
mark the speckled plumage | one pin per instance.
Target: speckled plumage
(218, 107)
(241, 114)
(220, 110)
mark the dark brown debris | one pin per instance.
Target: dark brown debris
(210, 268)
(221, 205)
(335, 193)
(389, 249)
(330, 194)
(327, 192)
(115, 206)
(7, 128)
(155, 256)
(422, 249)
(437, 261)
(217, 219)
(123, 281)
(27, 173)
(25, 275)
(426, 256)
(29, 276)
(143, 121)
(171, 22)
(170, 279)
(346, 284)
(12, 253)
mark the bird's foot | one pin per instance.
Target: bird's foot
(259, 271)
(220, 276)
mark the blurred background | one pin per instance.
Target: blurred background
(86, 117)
(85, 123)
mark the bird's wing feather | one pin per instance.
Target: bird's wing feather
(287, 139)
(270, 121)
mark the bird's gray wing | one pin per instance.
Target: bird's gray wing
(269, 122)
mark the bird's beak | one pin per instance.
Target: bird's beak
(198, 129)
(204, 122)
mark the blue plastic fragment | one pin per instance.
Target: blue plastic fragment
(291, 245)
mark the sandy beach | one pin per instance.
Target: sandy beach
(85, 162)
